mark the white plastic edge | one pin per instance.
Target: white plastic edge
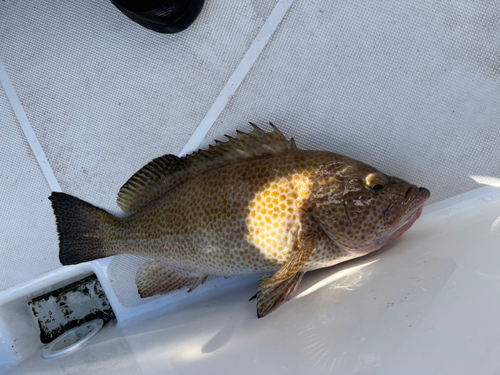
(238, 75)
(461, 203)
(49, 353)
(36, 147)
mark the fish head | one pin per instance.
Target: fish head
(360, 208)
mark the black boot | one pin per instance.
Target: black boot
(163, 16)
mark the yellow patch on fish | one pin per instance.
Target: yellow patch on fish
(253, 204)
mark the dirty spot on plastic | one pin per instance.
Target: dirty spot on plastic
(70, 306)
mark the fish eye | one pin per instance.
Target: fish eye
(375, 181)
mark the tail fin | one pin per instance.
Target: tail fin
(81, 227)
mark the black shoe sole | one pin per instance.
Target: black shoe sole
(167, 16)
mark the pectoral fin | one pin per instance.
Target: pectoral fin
(270, 298)
(275, 290)
(300, 255)
(155, 278)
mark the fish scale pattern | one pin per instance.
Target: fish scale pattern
(239, 219)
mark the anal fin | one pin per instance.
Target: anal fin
(156, 278)
(271, 297)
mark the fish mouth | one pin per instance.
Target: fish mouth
(415, 197)
(414, 200)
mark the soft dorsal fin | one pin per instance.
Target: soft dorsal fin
(165, 172)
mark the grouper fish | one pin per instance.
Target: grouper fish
(253, 204)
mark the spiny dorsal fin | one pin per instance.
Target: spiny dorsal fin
(165, 172)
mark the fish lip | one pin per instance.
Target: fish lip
(416, 195)
(417, 198)
(410, 194)
(414, 199)
(421, 195)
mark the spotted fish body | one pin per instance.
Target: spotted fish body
(251, 205)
